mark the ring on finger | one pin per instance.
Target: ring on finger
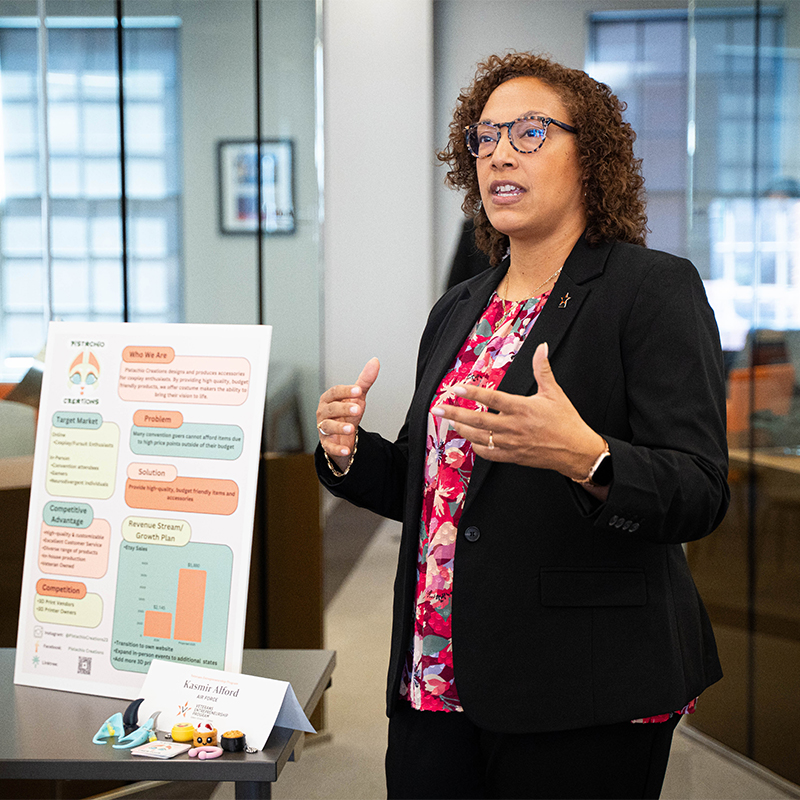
(319, 428)
(491, 440)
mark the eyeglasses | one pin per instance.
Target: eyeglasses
(526, 134)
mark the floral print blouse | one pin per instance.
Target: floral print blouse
(428, 681)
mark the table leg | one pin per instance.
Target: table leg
(253, 790)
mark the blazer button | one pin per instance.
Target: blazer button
(613, 520)
(634, 527)
(472, 534)
(619, 523)
(626, 525)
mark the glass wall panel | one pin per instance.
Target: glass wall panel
(111, 208)
(64, 175)
(642, 55)
(192, 81)
(745, 235)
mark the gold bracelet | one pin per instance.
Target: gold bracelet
(334, 469)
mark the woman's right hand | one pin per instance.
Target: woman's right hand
(339, 414)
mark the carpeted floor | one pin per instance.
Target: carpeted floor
(348, 531)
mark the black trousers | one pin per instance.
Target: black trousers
(434, 755)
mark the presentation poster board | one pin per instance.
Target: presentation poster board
(142, 499)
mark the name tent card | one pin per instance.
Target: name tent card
(225, 700)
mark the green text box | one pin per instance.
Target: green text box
(68, 515)
(84, 613)
(82, 462)
(151, 530)
(77, 419)
(191, 440)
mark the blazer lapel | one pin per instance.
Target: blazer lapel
(454, 331)
(569, 293)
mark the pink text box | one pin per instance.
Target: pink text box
(82, 552)
(207, 380)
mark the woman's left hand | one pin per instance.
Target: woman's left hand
(543, 430)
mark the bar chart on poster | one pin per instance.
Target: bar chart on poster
(142, 500)
(166, 605)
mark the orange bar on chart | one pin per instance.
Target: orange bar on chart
(158, 624)
(190, 604)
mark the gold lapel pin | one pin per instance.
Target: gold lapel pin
(564, 300)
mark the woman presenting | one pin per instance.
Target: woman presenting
(566, 435)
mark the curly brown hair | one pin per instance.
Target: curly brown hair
(612, 178)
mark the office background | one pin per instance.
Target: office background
(363, 91)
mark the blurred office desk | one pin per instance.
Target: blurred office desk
(15, 495)
(775, 525)
(767, 458)
(48, 734)
(748, 574)
(16, 472)
(776, 471)
(17, 433)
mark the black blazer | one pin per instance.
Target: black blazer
(568, 612)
